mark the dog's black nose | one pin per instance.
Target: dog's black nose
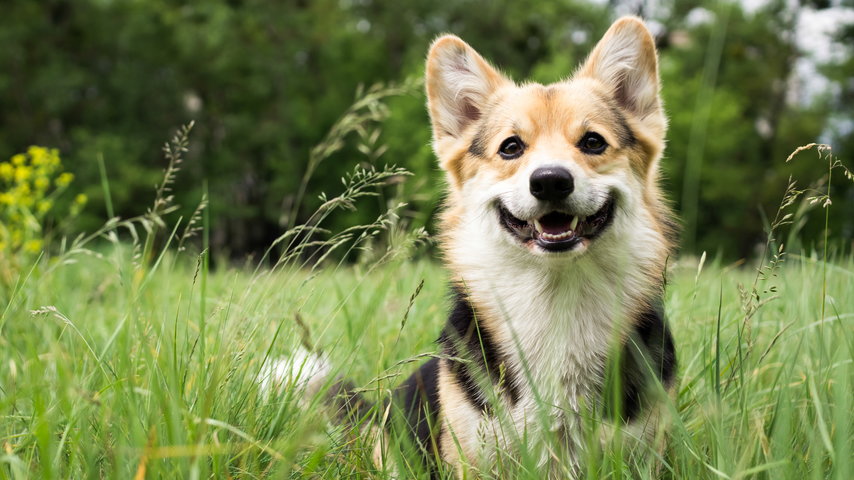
(551, 183)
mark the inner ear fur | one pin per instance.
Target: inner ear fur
(625, 61)
(459, 85)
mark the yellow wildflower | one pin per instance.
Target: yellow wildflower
(42, 157)
(22, 190)
(43, 206)
(38, 160)
(53, 160)
(36, 152)
(23, 173)
(28, 182)
(7, 171)
(64, 179)
(41, 183)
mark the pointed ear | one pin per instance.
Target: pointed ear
(459, 84)
(625, 60)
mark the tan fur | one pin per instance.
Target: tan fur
(459, 440)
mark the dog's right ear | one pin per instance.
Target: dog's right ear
(459, 84)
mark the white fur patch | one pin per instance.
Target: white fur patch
(303, 370)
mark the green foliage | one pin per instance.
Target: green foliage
(265, 81)
(725, 149)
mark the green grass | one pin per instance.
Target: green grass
(102, 373)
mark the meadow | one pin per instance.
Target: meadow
(135, 333)
(118, 367)
(133, 351)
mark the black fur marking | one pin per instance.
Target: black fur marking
(464, 338)
(480, 143)
(418, 400)
(414, 414)
(648, 355)
(471, 389)
(625, 135)
(485, 132)
(349, 403)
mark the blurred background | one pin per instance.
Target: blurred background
(744, 84)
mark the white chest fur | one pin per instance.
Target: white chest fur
(556, 326)
(557, 321)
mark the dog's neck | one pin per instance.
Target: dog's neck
(557, 321)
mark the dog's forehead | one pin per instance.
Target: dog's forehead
(534, 108)
(560, 111)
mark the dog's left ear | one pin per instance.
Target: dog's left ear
(625, 60)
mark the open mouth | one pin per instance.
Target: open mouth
(558, 231)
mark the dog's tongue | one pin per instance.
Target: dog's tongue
(556, 223)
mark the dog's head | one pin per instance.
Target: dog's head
(550, 170)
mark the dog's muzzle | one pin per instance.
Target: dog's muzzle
(558, 230)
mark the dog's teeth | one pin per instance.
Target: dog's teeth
(560, 236)
(538, 226)
(574, 223)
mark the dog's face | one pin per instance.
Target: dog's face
(550, 170)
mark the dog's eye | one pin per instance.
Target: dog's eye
(592, 143)
(511, 148)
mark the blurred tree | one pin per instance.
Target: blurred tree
(266, 80)
(840, 134)
(727, 78)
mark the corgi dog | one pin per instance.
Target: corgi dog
(557, 235)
